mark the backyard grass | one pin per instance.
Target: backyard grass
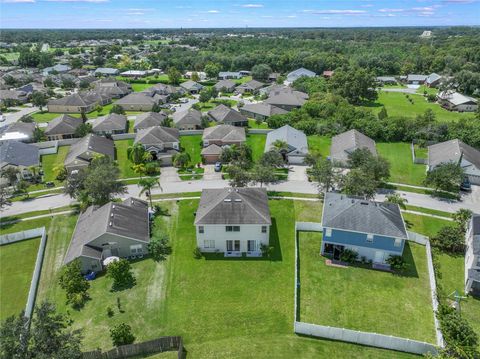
(397, 104)
(45, 116)
(17, 261)
(141, 87)
(420, 152)
(192, 145)
(257, 143)
(319, 144)
(253, 124)
(363, 299)
(49, 162)
(402, 168)
(124, 164)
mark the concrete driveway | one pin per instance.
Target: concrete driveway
(11, 117)
(169, 174)
(297, 173)
(210, 175)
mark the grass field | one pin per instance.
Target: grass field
(191, 145)
(17, 261)
(319, 144)
(363, 299)
(397, 104)
(140, 87)
(257, 143)
(402, 168)
(253, 124)
(124, 164)
(44, 116)
(49, 162)
(10, 56)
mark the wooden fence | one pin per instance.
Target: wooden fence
(159, 345)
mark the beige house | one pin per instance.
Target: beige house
(214, 138)
(140, 101)
(162, 142)
(62, 127)
(82, 102)
(190, 119)
(85, 149)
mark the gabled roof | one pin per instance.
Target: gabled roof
(191, 85)
(251, 85)
(228, 84)
(18, 154)
(295, 139)
(110, 122)
(299, 73)
(224, 133)
(157, 135)
(359, 215)
(127, 219)
(137, 98)
(233, 206)
(190, 117)
(433, 77)
(212, 149)
(149, 119)
(414, 77)
(224, 114)
(287, 98)
(347, 142)
(264, 109)
(90, 143)
(456, 98)
(452, 151)
(63, 124)
(77, 99)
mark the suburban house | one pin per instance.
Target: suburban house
(375, 230)
(62, 127)
(82, 102)
(18, 131)
(386, 80)
(202, 76)
(228, 116)
(296, 141)
(225, 86)
(120, 229)
(261, 111)
(250, 87)
(287, 99)
(472, 256)
(112, 88)
(455, 101)
(32, 87)
(84, 150)
(226, 75)
(214, 138)
(18, 155)
(190, 119)
(301, 72)
(273, 77)
(164, 90)
(346, 143)
(413, 79)
(191, 86)
(433, 80)
(457, 152)
(134, 73)
(110, 124)
(149, 119)
(57, 69)
(161, 142)
(140, 101)
(13, 95)
(106, 71)
(233, 221)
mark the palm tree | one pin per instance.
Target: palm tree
(280, 145)
(396, 198)
(136, 153)
(181, 159)
(147, 184)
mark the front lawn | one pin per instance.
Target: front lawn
(17, 261)
(257, 143)
(319, 144)
(49, 162)
(402, 168)
(364, 299)
(192, 145)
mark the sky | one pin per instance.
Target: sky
(235, 13)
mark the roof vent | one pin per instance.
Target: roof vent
(238, 200)
(113, 206)
(110, 223)
(227, 200)
(364, 203)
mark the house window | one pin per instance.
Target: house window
(253, 246)
(228, 229)
(328, 232)
(232, 228)
(201, 229)
(209, 244)
(236, 228)
(398, 242)
(264, 229)
(370, 238)
(136, 249)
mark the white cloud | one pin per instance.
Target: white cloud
(252, 5)
(213, 11)
(135, 13)
(391, 10)
(91, 1)
(336, 12)
(17, 1)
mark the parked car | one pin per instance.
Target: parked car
(218, 166)
(466, 186)
(49, 184)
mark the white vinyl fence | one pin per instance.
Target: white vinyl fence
(20, 236)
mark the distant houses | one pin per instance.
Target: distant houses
(161, 142)
(297, 145)
(233, 221)
(106, 71)
(455, 101)
(413, 79)
(62, 127)
(261, 111)
(225, 86)
(250, 87)
(433, 80)
(346, 143)
(87, 148)
(301, 72)
(472, 256)
(373, 230)
(226, 75)
(386, 80)
(57, 69)
(191, 87)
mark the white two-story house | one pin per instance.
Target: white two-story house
(472, 256)
(233, 221)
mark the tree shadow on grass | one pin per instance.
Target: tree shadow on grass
(411, 269)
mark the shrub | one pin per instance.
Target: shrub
(121, 273)
(450, 239)
(158, 247)
(349, 256)
(267, 251)
(197, 253)
(397, 263)
(75, 285)
(121, 334)
(431, 98)
(110, 311)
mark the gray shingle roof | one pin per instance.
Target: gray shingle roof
(76, 99)
(110, 122)
(432, 78)
(63, 124)
(475, 225)
(295, 139)
(251, 85)
(224, 133)
(137, 98)
(90, 143)
(191, 85)
(224, 114)
(187, 117)
(347, 142)
(287, 97)
(233, 206)
(228, 84)
(157, 135)
(149, 119)
(212, 149)
(18, 154)
(127, 219)
(414, 77)
(264, 109)
(451, 151)
(24, 128)
(292, 76)
(359, 215)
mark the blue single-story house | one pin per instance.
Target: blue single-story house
(375, 230)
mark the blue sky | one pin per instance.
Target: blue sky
(235, 13)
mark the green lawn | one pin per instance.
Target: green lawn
(319, 144)
(397, 104)
(44, 116)
(420, 152)
(192, 145)
(402, 168)
(257, 143)
(17, 261)
(253, 124)
(141, 87)
(10, 56)
(124, 164)
(363, 299)
(49, 162)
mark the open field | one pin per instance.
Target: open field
(140, 87)
(364, 299)
(17, 261)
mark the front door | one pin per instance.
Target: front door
(378, 257)
(337, 251)
(253, 246)
(233, 246)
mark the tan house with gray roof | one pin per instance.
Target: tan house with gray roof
(85, 149)
(346, 143)
(62, 127)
